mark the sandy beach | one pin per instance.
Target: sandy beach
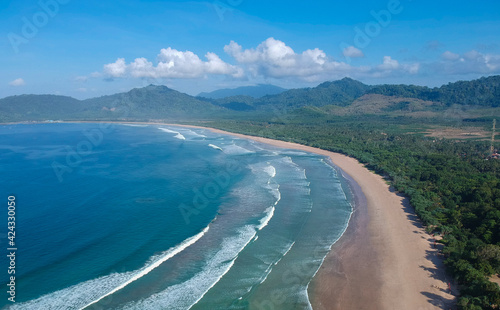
(385, 259)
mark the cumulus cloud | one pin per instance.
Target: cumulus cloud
(172, 63)
(273, 58)
(470, 62)
(116, 69)
(352, 52)
(17, 82)
(388, 64)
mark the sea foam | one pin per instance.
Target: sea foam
(233, 149)
(186, 294)
(178, 134)
(215, 147)
(87, 293)
(265, 220)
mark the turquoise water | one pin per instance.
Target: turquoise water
(113, 216)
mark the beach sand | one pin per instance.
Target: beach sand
(385, 259)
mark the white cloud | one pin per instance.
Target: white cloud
(388, 64)
(172, 63)
(352, 52)
(116, 69)
(273, 58)
(390, 67)
(17, 82)
(470, 62)
(412, 68)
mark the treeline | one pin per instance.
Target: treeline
(453, 187)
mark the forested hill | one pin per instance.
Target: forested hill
(341, 93)
(342, 97)
(152, 102)
(482, 92)
(257, 91)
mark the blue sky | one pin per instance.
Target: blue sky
(92, 48)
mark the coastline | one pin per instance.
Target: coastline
(384, 259)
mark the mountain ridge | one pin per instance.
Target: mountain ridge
(256, 91)
(161, 102)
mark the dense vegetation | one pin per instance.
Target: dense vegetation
(257, 91)
(481, 92)
(452, 185)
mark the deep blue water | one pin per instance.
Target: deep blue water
(113, 216)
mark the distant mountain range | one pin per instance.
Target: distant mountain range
(257, 91)
(344, 97)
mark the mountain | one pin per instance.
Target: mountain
(37, 107)
(346, 97)
(340, 93)
(152, 102)
(481, 92)
(257, 91)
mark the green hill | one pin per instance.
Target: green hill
(340, 93)
(37, 107)
(251, 91)
(481, 92)
(152, 102)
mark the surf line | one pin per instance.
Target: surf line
(170, 253)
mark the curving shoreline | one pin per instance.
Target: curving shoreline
(384, 259)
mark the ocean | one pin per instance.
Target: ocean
(117, 216)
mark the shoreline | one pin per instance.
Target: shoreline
(384, 259)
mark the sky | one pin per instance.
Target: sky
(92, 48)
